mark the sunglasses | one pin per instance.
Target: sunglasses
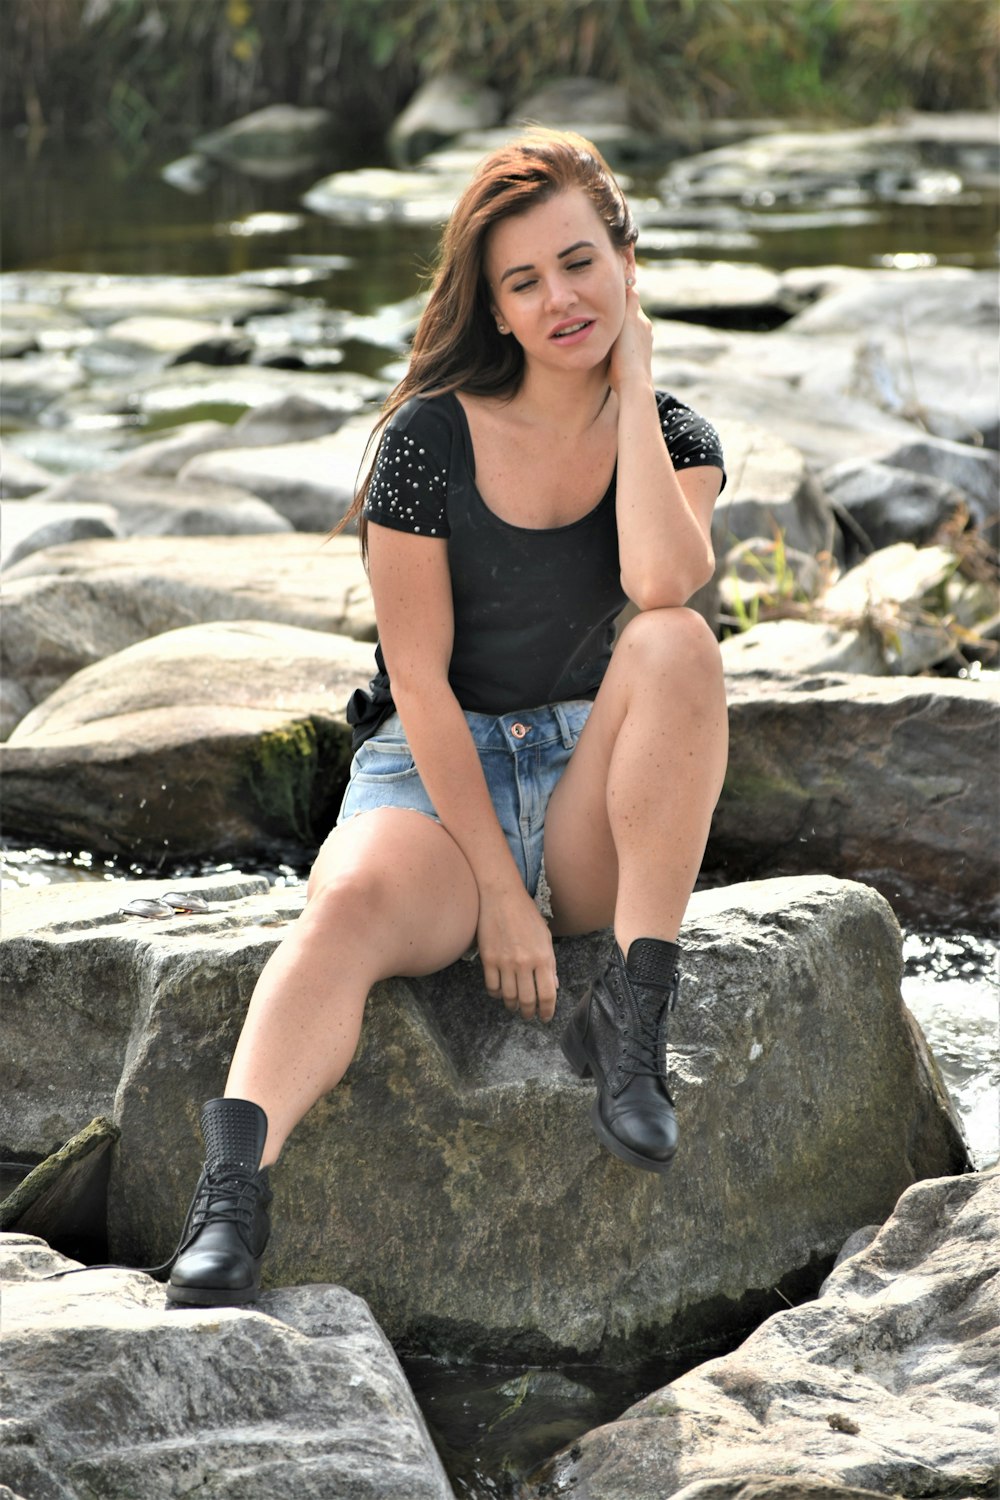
(172, 904)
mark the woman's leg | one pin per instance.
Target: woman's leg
(624, 837)
(390, 893)
(627, 825)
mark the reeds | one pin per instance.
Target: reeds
(128, 69)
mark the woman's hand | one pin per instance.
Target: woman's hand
(632, 352)
(515, 948)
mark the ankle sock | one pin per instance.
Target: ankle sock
(652, 961)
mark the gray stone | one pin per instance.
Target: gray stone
(311, 484)
(31, 527)
(889, 780)
(769, 490)
(193, 387)
(19, 476)
(15, 702)
(191, 174)
(974, 471)
(108, 1391)
(773, 1487)
(571, 103)
(884, 504)
(226, 738)
(474, 1209)
(281, 136)
(146, 341)
(376, 195)
(33, 382)
(900, 593)
(107, 299)
(147, 506)
(776, 648)
(711, 292)
(441, 109)
(165, 455)
(79, 604)
(65, 1196)
(886, 1383)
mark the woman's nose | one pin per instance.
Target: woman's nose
(559, 294)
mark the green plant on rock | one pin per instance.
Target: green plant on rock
(295, 776)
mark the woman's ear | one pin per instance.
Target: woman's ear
(628, 257)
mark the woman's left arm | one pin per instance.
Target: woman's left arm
(664, 518)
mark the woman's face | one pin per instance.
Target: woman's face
(557, 283)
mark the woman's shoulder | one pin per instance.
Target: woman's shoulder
(690, 438)
(434, 417)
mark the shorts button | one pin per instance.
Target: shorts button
(519, 730)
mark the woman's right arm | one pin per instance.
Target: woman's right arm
(411, 587)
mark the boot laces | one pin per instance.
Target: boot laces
(641, 1053)
(226, 1195)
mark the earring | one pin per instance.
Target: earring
(630, 281)
(501, 328)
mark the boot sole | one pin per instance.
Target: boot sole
(208, 1296)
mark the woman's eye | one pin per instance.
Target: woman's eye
(578, 265)
(522, 286)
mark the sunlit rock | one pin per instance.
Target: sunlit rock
(107, 1391)
(886, 1382)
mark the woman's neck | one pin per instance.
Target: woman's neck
(566, 401)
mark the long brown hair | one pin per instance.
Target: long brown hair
(457, 345)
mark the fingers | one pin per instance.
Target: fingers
(524, 991)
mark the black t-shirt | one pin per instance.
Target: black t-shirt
(535, 609)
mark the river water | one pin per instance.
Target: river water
(98, 211)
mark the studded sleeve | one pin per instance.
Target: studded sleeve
(690, 440)
(409, 484)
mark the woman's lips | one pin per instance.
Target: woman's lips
(572, 331)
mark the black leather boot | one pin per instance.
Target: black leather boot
(618, 1035)
(227, 1227)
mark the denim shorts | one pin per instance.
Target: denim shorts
(522, 755)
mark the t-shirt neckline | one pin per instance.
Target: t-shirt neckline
(512, 525)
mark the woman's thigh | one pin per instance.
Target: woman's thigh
(581, 865)
(397, 880)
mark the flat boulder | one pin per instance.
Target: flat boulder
(442, 108)
(887, 780)
(144, 505)
(311, 484)
(224, 739)
(474, 1208)
(885, 1384)
(108, 1391)
(78, 604)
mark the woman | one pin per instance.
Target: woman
(527, 483)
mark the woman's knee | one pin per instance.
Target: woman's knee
(678, 639)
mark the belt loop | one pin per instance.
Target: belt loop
(564, 729)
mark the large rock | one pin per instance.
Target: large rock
(278, 141)
(890, 780)
(883, 504)
(100, 300)
(472, 1205)
(221, 740)
(146, 506)
(108, 1392)
(311, 484)
(30, 527)
(76, 605)
(888, 1381)
(19, 476)
(769, 490)
(442, 108)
